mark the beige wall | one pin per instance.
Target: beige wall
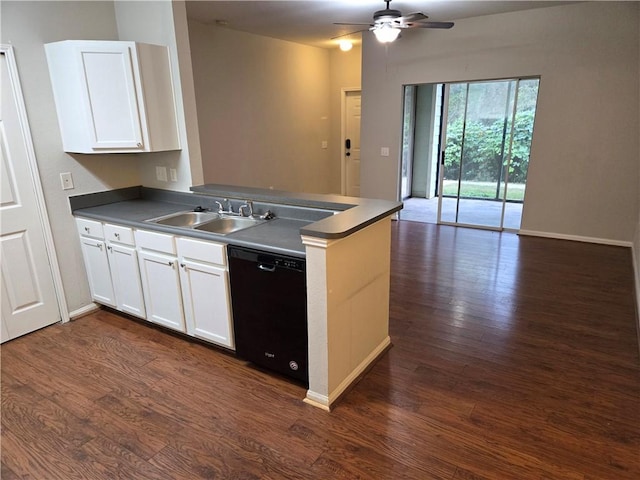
(263, 110)
(153, 22)
(636, 239)
(28, 26)
(583, 175)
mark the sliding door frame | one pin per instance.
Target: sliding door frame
(443, 144)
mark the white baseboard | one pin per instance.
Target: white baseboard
(317, 400)
(324, 402)
(576, 238)
(82, 311)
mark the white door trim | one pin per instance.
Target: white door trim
(7, 51)
(343, 135)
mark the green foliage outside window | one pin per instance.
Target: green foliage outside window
(486, 141)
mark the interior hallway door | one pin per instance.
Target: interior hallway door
(351, 162)
(28, 293)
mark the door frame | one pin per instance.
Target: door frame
(43, 216)
(343, 134)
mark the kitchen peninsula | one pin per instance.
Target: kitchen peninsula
(344, 240)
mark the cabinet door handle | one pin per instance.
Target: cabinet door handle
(171, 264)
(182, 265)
(99, 245)
(109, 248)
(87, 229)
(117, 235)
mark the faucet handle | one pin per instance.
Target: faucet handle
(248, 204)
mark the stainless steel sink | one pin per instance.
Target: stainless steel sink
(186, 219)
(207, 221)
(225, 225)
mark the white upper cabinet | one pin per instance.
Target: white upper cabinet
(113, 96)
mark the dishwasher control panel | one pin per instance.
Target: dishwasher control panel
(289, 263)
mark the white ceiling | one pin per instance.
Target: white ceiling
(310, 22)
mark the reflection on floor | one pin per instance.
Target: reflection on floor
(471, 212)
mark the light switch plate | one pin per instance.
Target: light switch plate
(384, 151)
(173, 174)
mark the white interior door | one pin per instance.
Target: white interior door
(352, 114)
(28, 293)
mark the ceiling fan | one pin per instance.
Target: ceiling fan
(388, 23)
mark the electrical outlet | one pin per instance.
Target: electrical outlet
(161, 174)
(173, 174)
(324, 144)
(67, 181)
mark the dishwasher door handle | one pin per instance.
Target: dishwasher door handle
(267, 268)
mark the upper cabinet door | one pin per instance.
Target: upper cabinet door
(112, 110)
(113, 96)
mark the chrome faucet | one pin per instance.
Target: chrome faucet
(229, 210)
(248, 204)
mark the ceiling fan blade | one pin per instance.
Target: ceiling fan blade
(412, 17)
(444, 25)
(356, 24)
(350, 33)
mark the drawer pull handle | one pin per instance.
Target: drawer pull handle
(117, 235)
(87, 229)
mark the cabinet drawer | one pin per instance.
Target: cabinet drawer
(117, 233)
(89, 228)
(160, 242)
(202, 251)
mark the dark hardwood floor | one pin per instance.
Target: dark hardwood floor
(513, 358)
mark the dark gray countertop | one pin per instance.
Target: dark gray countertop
(296, 214)
(355, 212)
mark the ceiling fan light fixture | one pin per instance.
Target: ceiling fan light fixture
(345, 45)
(385, 33)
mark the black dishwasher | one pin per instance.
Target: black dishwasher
(269, 303)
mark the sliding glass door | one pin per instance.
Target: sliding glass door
(486, 133)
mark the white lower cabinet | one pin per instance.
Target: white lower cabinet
(205, 291)
(125, 275)
(111, 262)
(94, 252)
(160, 279)
(177, 282)
(161, 287)
(123, 261)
